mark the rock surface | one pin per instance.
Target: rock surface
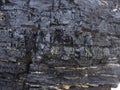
(59, 44)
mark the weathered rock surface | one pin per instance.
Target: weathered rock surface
(59, 44)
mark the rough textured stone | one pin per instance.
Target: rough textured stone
(59, 44)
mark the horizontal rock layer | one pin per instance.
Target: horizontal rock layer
(59, 44)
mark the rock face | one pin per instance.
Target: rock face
(59, 44)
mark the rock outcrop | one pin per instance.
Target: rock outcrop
(59, 44)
